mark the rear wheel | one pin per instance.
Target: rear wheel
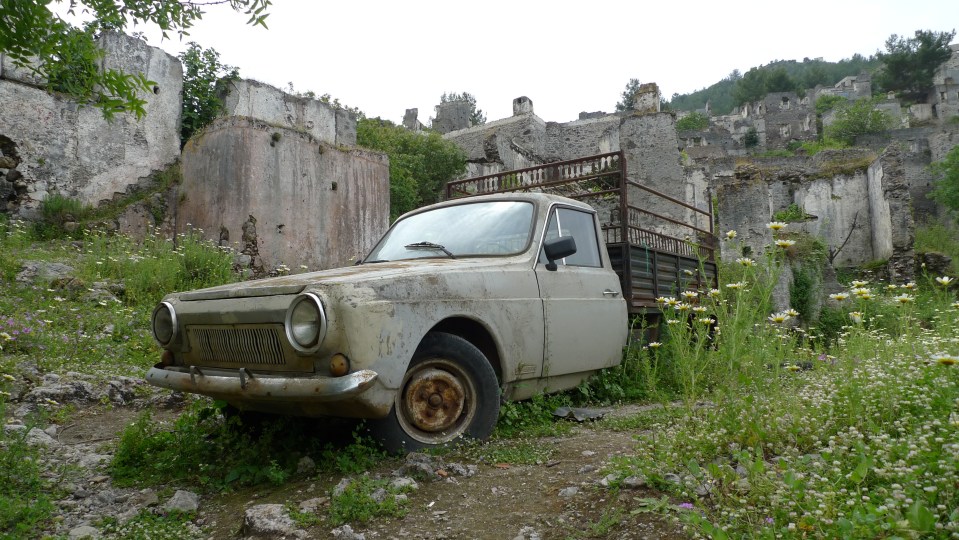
(449, 391)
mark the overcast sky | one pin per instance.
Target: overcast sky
(386, 56)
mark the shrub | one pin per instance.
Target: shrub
(693, 121)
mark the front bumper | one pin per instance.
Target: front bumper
(244, 386)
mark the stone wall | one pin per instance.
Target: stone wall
(259, 100)
(282, 197)
(60, 147)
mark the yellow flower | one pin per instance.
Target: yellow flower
(944, 280)
(700, 309)
(859, 283)
(911, 285)
(736, 286)
(779, 318)
(6, 336)
(785, 243)
(682, 306)
(704, 320)
(730, 235)
(904, 299)
(839, 297)
(856, 317)
(746, 261)
(776, 225)
(791, 312)
(714, 293)
(655, 345)
(793, 367)
(672, 302)
(689, 295)
(891, 287)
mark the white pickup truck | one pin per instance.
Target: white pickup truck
(460, 305)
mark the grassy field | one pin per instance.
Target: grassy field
(771, 426)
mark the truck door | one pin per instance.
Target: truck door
(583, 303)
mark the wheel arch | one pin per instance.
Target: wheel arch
(478, 335)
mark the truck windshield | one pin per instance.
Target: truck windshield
(465, 230)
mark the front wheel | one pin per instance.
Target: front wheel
(449, 391)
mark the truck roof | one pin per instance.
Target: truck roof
(535, 198)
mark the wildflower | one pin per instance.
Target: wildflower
(856, 317)
(839, 297)
(688, 272)
(785, 243)
(9, 377)
(655, 345)
(682, 306)
(704, 320)
(859, 283)
(775, 225)
(793, 367)
(859, 291)
(746, 261)
(689, 295)
(791, 312)
(891, 287)
(6, 336)
(686, 505)
(672, 321)
(661, 300)
(904, 299)
(714, 293)
(955, 305)
(779, 318)
(700, 309)
(944, 280)
(910, 286)
(945, 359)
(730, 235)
(672, 302)
(736, 286)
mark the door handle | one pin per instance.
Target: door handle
(610, 292)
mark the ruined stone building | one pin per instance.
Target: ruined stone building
(277, 177)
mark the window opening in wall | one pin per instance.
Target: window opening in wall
(785, 102)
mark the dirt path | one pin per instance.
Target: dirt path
(559, 497)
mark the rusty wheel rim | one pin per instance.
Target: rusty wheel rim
(437, 402)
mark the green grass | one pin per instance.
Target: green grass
(26, 498)
(939, 238)
(357, 504)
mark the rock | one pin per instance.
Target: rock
(120, 391)
(586, 469)
(568, 491)
(933, 263)
(672, 478)
(83, 531)
(379, 495)
(38, 437)
(305, 465)
(341, 487)
(345, 532)
(467, 471)
(34, 271)
(588, 453)
(404, 483)
(608, 479)
(65, 392)
(145, 497)
(527, 533)
(634, 482)
(400, 498)
(51, 430)
(183, 501)
(269, 521)
(310, 506)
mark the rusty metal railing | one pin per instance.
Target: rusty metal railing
(601, 178)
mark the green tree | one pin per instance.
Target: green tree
(202, 76)
(751, 87)
(693, 121)
(910, 63)
(946, 189)
(628, 96)
(33, 36)
(420, 164)
(779, 80)
(858, 118)
(476, 115)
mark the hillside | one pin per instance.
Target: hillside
(803, 75)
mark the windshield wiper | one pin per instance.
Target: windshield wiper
(430, 245)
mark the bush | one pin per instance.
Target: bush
(693, 121)
(859, 118)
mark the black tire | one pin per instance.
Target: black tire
(449, 391)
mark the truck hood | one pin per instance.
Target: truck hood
(368, 273)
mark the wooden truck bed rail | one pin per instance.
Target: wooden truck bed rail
(650, 262)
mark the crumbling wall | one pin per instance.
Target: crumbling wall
(888, 181)
(581, 138)
(452, 116)
(282, 197)
(255, 99)
(64, 148)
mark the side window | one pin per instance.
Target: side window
(581, 226)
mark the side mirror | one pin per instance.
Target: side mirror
(558, 248)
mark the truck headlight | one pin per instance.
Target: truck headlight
(164, 324)
(306, 323)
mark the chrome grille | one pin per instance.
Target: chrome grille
(259, 345)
